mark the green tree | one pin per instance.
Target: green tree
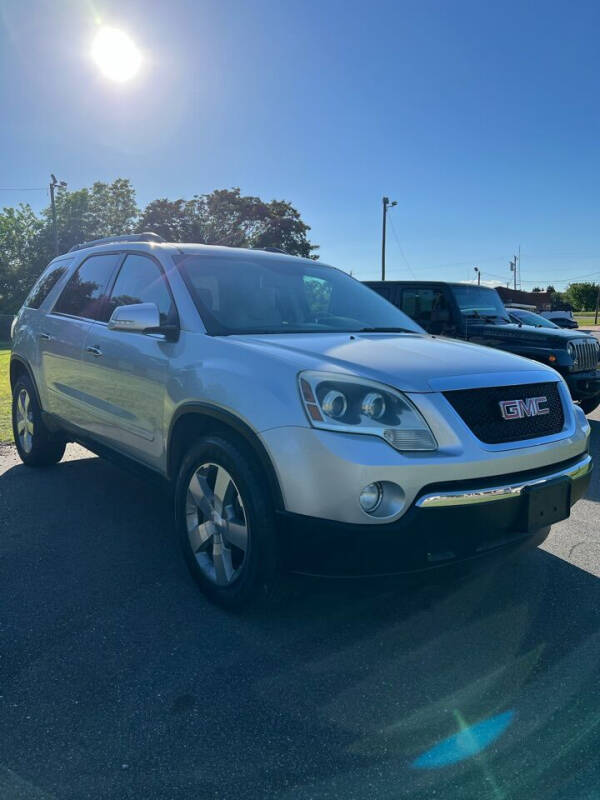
(105, 209)
(536, 289)
(165, 217)
(20, 258)
(112, 207)
(283, 227)
(226, 217)
(582, 296)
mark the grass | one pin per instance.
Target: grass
(5, 399)
(585, 317)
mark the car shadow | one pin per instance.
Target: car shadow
(120, 680)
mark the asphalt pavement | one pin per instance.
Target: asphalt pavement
(119, 680)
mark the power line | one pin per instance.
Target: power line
(397, 238)
(23, 189)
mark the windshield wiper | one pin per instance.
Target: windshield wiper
(384, 330)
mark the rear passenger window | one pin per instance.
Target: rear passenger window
(47, 281)
(83, 294)
(140, 280)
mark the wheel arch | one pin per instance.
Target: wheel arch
(18, 366)
(203, 418)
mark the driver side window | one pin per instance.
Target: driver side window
(428, 307)
(140, 280)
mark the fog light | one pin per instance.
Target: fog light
(370, 497)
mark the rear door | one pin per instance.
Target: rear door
(62, 336)
(126, 373)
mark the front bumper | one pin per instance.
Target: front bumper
(583, 385)
(446, 524)
(322, 473)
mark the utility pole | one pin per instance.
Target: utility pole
(513, 269)
(386, 203)
(478, 271)
(53, 184)
(597, 305)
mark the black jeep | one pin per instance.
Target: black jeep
(476, 313)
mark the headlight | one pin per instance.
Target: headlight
(571, 350)
(338, 403)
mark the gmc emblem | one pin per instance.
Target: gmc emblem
(528, 407)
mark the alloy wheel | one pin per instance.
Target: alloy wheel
(24, 419)
(216, 523)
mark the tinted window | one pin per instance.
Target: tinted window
(140, 280)
(479, 302)
(268, 295)
(82, 295)
(428, 307)
(46, 282)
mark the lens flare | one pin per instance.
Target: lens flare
(116, 54)
(469, 742)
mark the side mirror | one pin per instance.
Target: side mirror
(141, 318)
(138, 318)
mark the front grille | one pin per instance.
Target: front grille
(480, 410)
(586, 354)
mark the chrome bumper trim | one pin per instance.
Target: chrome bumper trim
(494, 493)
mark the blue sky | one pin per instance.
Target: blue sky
(481, 119)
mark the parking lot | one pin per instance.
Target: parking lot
(119, 680)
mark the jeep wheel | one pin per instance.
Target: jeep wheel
(225, 523)
(36, 446)
(590, 404)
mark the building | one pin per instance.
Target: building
(541, 300)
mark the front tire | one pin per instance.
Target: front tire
(225, 523)
(36, 446)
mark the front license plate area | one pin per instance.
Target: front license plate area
(548, 503)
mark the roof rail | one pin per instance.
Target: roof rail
(271, 250)
(128, 237)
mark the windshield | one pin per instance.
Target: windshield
(268, 295)
(480, 303)
(529, 318)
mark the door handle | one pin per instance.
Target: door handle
(94, 350)
(44, 335)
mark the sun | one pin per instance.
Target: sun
(116, 54)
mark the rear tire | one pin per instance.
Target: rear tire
(36, 445)
(590, 404)
(226, 526)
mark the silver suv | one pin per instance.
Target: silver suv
(303, 421)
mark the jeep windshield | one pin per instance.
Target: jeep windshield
(270, 295)
(477, 302)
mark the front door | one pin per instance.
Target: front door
(126, 372)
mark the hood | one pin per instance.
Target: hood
(410, 362)
(526, 334)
